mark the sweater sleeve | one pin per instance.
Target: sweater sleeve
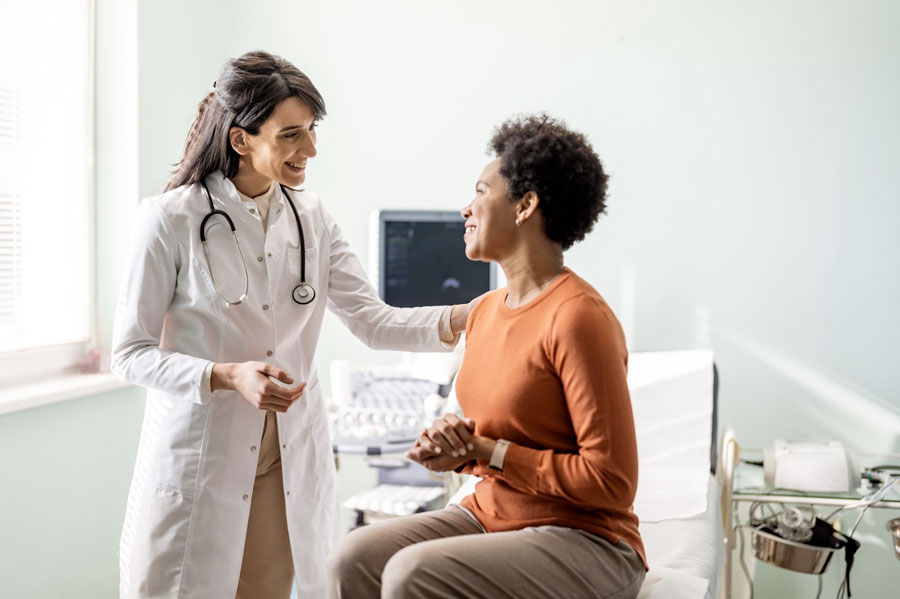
(587, 348)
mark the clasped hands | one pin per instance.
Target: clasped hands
(255, 381)
(448, 443)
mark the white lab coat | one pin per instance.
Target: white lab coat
(189, 500)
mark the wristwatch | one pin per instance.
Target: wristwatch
(498, 456)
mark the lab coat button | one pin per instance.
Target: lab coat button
(269, 353)
(270, 254)
(259, 258)
(265, 306)
(246, 497)
(253, 211)
(284, 446)
(289, 493)
(253, 448)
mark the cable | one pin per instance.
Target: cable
(865, 502)
(862, 512)
(890, 468)
(819, 592)
(844, 586)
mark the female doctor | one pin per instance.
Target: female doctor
(233, 493)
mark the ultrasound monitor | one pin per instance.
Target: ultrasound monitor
(420, 259)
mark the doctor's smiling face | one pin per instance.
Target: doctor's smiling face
(280, 150)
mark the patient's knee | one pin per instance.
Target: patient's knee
(412, 573)
(344, 554)
(349, 566)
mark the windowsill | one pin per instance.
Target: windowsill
(62, 388)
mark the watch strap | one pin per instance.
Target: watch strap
(498, 456)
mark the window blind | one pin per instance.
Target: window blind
(10, 214)
(46, 154)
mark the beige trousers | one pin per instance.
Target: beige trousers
(267, 570)
(447, 554)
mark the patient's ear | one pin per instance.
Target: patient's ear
(527, 206)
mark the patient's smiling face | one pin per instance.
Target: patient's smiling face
(490, 217)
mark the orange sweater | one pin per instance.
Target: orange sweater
(549, 377)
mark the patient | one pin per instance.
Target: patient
(548, 424)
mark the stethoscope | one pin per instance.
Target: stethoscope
(302, 294)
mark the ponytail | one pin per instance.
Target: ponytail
(201, 109)
(203, 150)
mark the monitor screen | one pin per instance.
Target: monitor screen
(422, 260)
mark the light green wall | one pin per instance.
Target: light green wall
(65, 471)
(752, 147)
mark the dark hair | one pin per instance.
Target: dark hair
(539, 153)
(246, 92)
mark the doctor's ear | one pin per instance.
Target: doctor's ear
(238, 139)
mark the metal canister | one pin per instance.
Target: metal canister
(791, 555)
(893, 527)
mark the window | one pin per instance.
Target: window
(46, 180)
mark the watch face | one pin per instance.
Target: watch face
(498, 456)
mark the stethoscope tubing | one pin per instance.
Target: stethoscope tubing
(302, 293)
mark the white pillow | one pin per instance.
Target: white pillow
(672, 400)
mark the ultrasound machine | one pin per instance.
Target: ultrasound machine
(417, 259)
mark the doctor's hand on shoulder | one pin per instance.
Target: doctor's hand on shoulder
(254, 381)
(459, 314)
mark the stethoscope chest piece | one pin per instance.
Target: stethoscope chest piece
(303, 293)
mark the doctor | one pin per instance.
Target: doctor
(234, 492)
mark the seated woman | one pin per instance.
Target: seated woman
(548, 425)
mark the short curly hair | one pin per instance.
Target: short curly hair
(539, 153)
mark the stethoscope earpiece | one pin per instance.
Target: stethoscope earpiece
(302, 294)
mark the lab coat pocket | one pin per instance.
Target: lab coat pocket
(311, 271)
(321, 436)
(158, 556)
(179, 444)
(200, 279)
